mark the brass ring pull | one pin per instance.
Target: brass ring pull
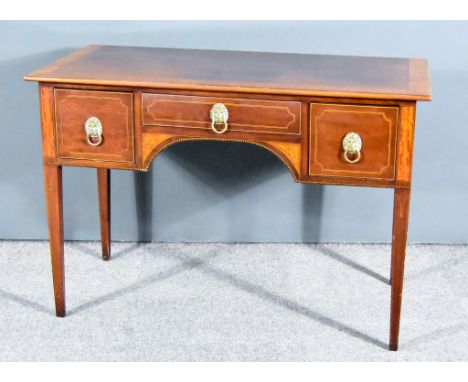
(94, 140)
(93, 128)
(357, 155)
(219, 116)
(352, 145)
(223, 130)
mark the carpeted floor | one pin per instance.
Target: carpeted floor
(232, 302)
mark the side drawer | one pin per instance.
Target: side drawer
(334, 126)
(245, 115)
(114, 113)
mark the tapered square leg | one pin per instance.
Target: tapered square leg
(104, 190)
(400, 233)
(53, 191)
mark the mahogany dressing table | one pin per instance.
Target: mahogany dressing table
(336, 120)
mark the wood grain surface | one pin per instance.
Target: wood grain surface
(252, 72)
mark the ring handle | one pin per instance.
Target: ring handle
(94, 140)
(223, 130)
(357, 155)
(352, 146)
(93, 128)
(219, 116)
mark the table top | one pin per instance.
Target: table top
(240, 71)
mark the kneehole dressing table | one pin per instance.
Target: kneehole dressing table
(336, 120)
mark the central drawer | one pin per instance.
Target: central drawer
(245, 115)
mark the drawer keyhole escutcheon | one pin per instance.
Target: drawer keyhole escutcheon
(93, 128)
(352, 145)
(219, 116)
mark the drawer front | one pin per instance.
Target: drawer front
(375, 130)
(245, 115)
(114, 111)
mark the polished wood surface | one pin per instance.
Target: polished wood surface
(377, 127)
(54, 201)
(400, 233)
(155, 142)
(251, 72)
(46, 96)
(405, 143)
(104, 192)
(297, 107)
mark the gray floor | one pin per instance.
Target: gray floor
(232, 302)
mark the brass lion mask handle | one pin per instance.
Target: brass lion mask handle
(352, 146)
(219, 116)
(93, 128)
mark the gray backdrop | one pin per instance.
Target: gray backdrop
(233, 192)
